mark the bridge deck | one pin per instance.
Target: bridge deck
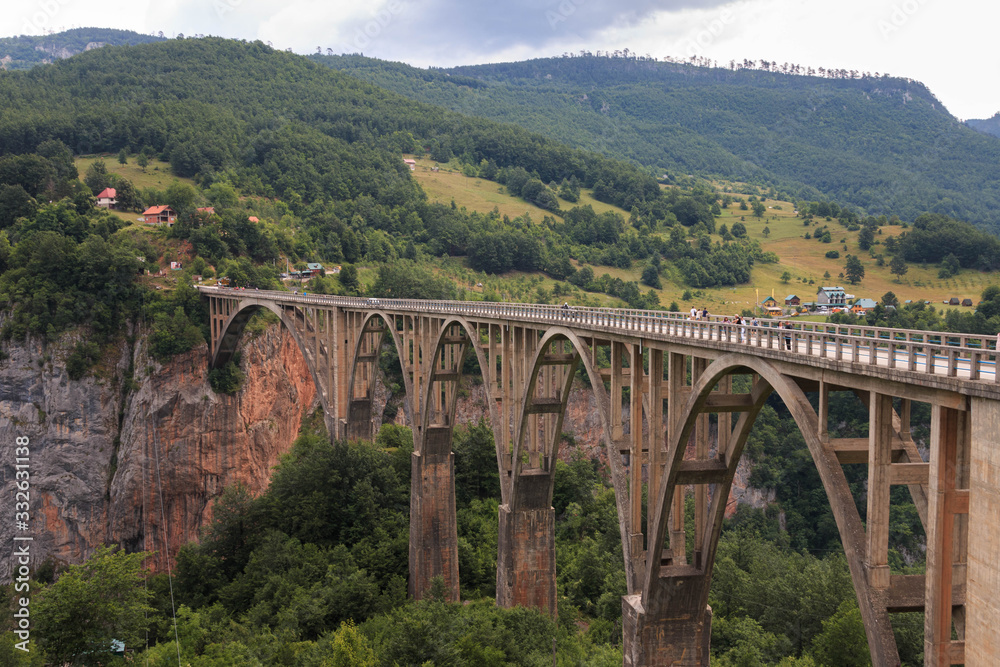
(965, 363)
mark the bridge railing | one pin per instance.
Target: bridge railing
(932, 352)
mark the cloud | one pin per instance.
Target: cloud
(491, 26)
(448, 31)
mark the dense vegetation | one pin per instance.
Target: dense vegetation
(885, 145)
(315, 568)
(27, 51)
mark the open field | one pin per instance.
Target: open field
(157, 174)
(804, 259)
(475, 194)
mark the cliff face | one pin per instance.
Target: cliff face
(102, 458)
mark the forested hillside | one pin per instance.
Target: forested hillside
(884, 144)
(989, 125)
(27, 51)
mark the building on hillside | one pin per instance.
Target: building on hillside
(314, 269)
(206, 210)
(106, 198)
(412, 164)
(176, 266)
(253, 218)
(159, 215)
(792, 300)
(862, 306)
(769, 302)
(966, 302)
(334, 271)
(831, 296)
(953, 301)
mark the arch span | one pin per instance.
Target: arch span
(367, 348)
(526, 560)
(681, 591)
(232, 331)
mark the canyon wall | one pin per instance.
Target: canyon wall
(104, 450)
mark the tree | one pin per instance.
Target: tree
(890, 299)
(97, 177)
(651, 276)
(949, 266)
(739, 230)
(854, 270)
(123, 156)
(785, 277)
(142, 161)
(92, 604)
(758, 209)
(898, 266)
(349, 278)
(843, 643)
(866, 237)
(766, 232)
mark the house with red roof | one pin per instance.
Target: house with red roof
(412, 164)
(159, 215)
(206, 210)
(106, 198)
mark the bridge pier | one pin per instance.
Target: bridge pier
(666, 636)
(982, 644)
(526, 560)
(433, 523)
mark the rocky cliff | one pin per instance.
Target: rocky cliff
(106, 449)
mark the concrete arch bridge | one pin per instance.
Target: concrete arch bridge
(676, 375)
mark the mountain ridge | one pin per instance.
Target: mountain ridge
(883, 144)
(27, 51)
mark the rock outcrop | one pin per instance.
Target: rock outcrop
(106, 449)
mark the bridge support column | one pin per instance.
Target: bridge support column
(433, 524)
(982, 644)
(526, 567)
(666, 637)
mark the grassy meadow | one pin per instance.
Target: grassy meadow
(803, 259)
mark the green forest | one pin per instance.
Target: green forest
(27, 51)
(884, 145)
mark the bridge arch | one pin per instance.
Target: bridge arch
(364, 368)
(684, 589)
(444, 374)
(232, 331)
(526, 560)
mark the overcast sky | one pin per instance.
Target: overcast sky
(948, 45)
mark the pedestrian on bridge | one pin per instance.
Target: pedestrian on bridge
(788, 335)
